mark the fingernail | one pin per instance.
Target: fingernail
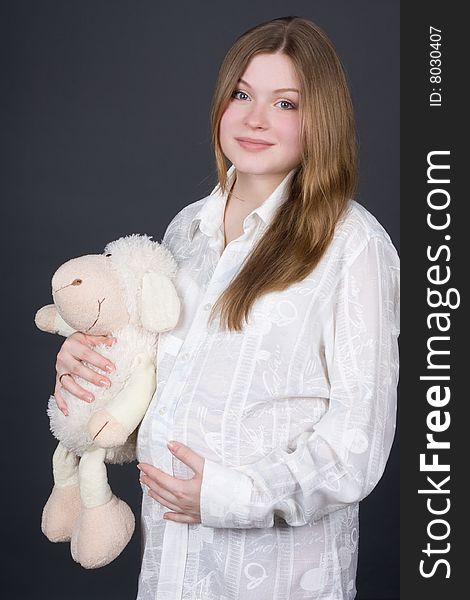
(109, 368)
(172, 445)
(65, 412)
(89, 398)
(105, 383)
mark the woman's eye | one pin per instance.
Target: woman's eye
(290, 107)
(234, 95)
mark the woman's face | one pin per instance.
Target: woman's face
(261, 108)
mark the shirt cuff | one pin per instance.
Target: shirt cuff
(225, 496)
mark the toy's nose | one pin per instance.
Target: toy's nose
(68, 275)
(75, 282)
(77, 274)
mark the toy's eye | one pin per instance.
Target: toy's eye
(76, 282)
(108, 254)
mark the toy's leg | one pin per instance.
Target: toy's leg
(94, 486)
(106, 523)
(63, 506)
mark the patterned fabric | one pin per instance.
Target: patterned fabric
(295, 415)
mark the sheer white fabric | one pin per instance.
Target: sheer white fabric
(295, 415)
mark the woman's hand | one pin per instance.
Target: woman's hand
(75, 349)
(180, 495)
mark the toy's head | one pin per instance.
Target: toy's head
(130, 283)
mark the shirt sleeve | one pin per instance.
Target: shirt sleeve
(170, 231)
(343, 458)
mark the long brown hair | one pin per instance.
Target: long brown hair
(325, 179)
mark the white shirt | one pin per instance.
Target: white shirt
(295, 415)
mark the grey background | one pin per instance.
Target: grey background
(105, 132)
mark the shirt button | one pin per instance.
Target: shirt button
(162, 411)
(207, 306)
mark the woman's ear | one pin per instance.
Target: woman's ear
(160, 308)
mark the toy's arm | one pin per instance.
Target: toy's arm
(129, 406)
(112, 426)
(48, 319)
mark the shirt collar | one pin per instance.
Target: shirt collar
(210, 216)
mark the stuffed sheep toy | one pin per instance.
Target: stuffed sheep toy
(125, 292)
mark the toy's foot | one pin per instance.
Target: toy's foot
(105, 431)
(102, 533)
(60, 513)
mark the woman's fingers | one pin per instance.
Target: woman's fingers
(80, 348)
(69, 383)
(59, 400)
(95, 340)
(161, 491)
(77, 349)
(181, 518)
(78, 368)
(177, 515)
(163, 501)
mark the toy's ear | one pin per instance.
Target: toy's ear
(160, 307)
(48, 319)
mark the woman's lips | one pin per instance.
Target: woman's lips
(253, 146)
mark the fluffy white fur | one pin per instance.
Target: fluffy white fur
(133, 256)
(72, 430)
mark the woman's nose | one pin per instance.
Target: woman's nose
(257, 117)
